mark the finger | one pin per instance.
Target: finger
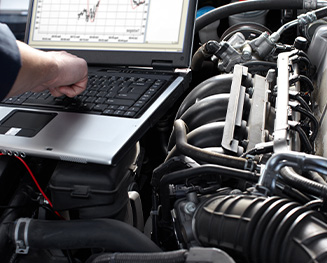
(55, 92)
(71, 91)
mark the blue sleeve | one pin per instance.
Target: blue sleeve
(10, 61)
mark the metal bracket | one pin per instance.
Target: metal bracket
(257, 117)
(234, 109)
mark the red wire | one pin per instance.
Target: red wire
(37, 184)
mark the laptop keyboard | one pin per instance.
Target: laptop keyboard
(121, 94)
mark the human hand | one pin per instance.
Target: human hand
(59, 72)
(71, 76)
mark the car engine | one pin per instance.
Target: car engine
(235, 172)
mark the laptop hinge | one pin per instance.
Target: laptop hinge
(166, 65)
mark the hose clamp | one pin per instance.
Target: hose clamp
(249, 165)
(310, 4)
(21, 235)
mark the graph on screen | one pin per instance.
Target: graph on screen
(91, 20)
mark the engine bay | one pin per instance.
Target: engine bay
(235, 172)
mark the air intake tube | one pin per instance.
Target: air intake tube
(261, 229)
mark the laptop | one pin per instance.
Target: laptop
(130, 37)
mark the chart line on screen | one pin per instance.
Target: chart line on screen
(88, 12)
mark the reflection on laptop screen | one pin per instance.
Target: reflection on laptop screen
(139, 25)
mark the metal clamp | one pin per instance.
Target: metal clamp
(21, 235)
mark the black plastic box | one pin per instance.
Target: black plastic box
(92, 190)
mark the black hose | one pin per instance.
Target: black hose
(244, 6)
(21, 199)
(315, 177)
(202, 155)
(293, 194)
(204, 52)
(109, 234)
(178, 256)
(303, 184)
(321, 13)
(208, 135)
(302, 161)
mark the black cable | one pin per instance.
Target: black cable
(258, 150)
(304, 138)
(307, 81)
(303, 78)
(308, 62)
(315, 124)
(303, 103)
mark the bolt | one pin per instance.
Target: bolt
(189, 208)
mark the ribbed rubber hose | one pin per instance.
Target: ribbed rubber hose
(244, 6)
(261, 229)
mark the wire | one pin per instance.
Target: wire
(304, 138)
(37, 184)
(303, 103)
(314, 122)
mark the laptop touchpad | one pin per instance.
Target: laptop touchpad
(25, 123)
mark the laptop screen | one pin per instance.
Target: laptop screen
(144, 30)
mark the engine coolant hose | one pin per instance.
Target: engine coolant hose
(109, 234)
(197, 153)
(296, 160)
(262, 229)
(245, 6)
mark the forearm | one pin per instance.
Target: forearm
(38, 68)
(60, 72)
